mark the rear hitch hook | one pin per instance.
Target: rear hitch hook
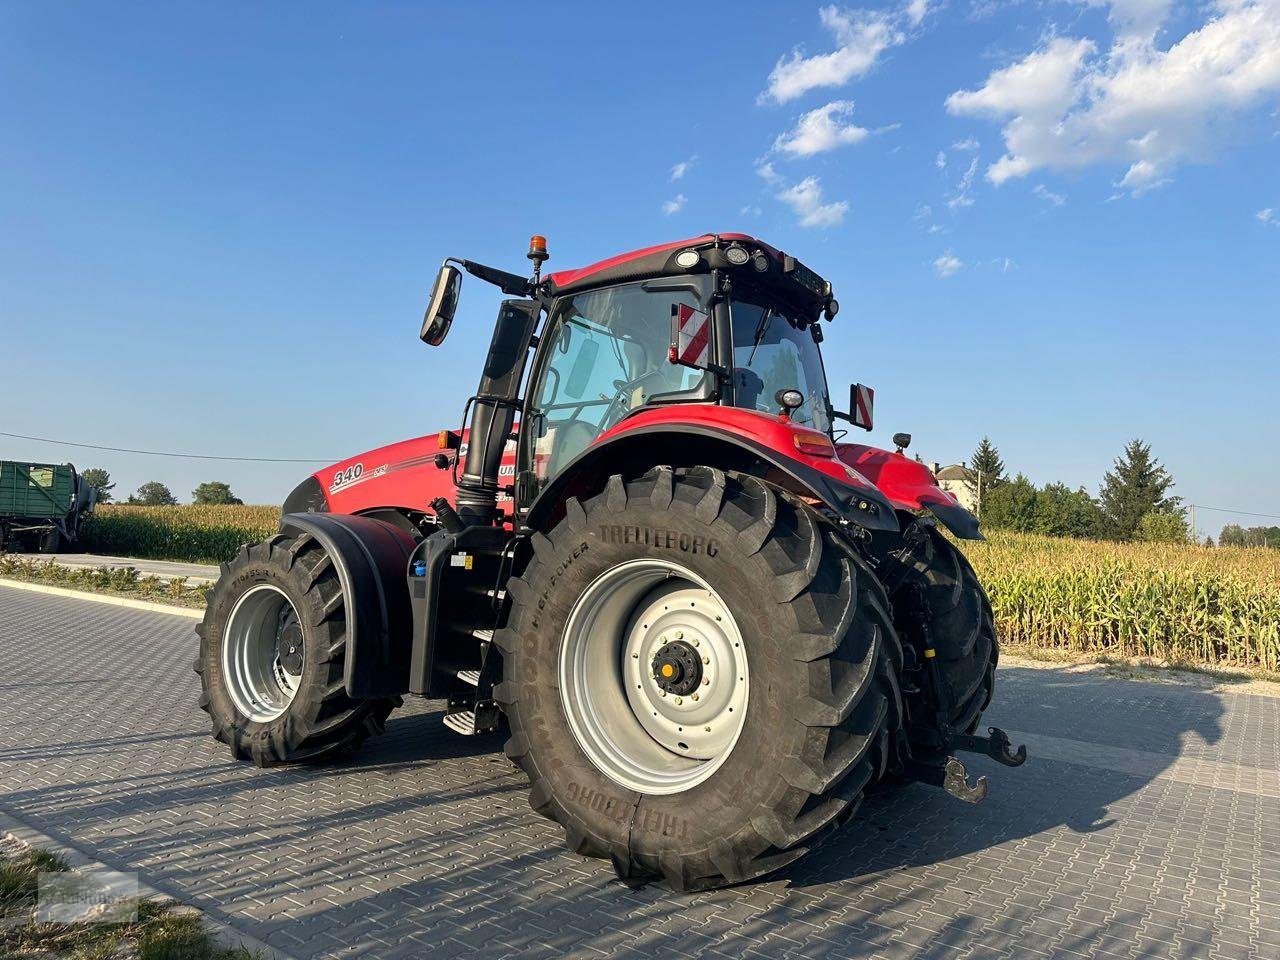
(995, 745)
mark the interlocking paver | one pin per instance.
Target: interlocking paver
(1146, 824)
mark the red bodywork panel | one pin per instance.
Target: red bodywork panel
(908, 484)
(564, 278)
(404, 475)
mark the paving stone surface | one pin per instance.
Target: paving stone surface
(1145, 824)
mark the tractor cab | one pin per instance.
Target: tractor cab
(722, 320)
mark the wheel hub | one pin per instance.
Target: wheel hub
(290, 649)
(653, 676)
(677, 668)
(262, 653)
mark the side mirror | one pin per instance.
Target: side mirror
(862, 402)
(442, 306)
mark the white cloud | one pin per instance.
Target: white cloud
(1004, 263)
(948, 265)
(821, 130)
(1267, 216)
(674, 205)
(963, 197)
(935, 228)
(750, 210)
(766, 173)
(940, 161)
(680, 169)
(916, 11)
(861, 37)
(805, 198)
(1047, 195)
(967, 145)
(1065, 106)
(923, 212)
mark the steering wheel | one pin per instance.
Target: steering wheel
(620, 405)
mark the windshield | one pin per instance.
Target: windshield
(605, 355)
(771, 353)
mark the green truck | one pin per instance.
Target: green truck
(43, 506)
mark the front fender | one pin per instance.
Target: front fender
(371, 558)
(693, 444)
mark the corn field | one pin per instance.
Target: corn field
(1217, 607)
(196, 534)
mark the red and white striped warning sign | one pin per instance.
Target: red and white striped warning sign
(690, 336)
(864, 401)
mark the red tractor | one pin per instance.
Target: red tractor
(708, 625)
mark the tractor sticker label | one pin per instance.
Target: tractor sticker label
(620, 533)
(464, 560)
(346, 477)
(691, 340)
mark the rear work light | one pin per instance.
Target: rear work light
(814, 444)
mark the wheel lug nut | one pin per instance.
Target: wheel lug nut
(707, 729)
(679, 701)
(695, 696)
(635, 656)
(695, 641)
(662, 693)
(679, 634)
(706, 681)
(706, 660)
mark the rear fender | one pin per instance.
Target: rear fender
(371, 558)
(691, 444)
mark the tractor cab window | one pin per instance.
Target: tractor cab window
(770, 353)
(605, 355)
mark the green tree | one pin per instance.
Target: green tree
(100, 480)
(1232, 535)
(214, 491)
(986, 472)
(1011, 505)
(1136, 485)
(1063, 512)
(153, 493)
(1164, 526)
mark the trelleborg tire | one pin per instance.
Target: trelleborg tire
(272, 653)
(960, 628)
(697, 582)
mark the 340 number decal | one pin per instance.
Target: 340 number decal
(346, 477)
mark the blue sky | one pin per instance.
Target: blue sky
(1054, 223)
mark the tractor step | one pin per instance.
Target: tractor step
(461, 721)
(470, 676)
(483, 633)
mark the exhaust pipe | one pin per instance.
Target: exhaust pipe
(493, 416)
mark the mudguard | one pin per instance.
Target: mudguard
(910, 485)
(726, 437)
(371, 558)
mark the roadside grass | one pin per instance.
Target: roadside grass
(161, 931)
(126, 582)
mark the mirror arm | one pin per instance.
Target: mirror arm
(508, 283)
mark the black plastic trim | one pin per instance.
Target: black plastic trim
(370, 557)
(306, 497)
(957, 519)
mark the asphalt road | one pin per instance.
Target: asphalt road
(165, 569)
(1145, 824)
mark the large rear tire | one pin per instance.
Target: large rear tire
(949, 613)
(272, 653)
(717, 590)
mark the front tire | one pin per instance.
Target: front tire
(272, 655)
(941, 605)
(801, 696)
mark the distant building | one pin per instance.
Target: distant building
(955, 479)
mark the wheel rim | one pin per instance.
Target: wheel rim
(262, 653)
(653, 676)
